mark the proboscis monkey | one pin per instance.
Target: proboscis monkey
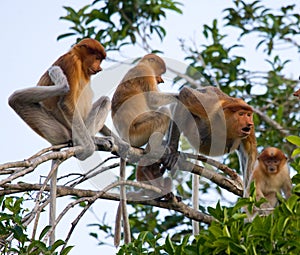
(271, 176)
(139, 114)
(60, 107)
(140, 119)
(215, 124)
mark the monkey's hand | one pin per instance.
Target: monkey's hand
(58, 77)
(170, 158)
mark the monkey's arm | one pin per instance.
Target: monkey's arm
(287, 187)
(156, 99)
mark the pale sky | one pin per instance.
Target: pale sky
(28, 47)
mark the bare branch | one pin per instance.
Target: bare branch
(67, 191)
(233, 174)
(190, 80)
(231, 185)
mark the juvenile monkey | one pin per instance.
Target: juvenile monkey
(271, 176)
(60, 107)
(138, 115)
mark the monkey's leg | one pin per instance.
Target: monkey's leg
(98, 115)
(145, 125)
(84, 131)
(156, 99)
(153, 175)
(27, 105)
(39, 93)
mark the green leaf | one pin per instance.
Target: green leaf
(169, 246)
(37, 244)
(65, 35)
(57, 244)
(44, 232)
(294, 139)
(18, 234)
(66, 250)
(295, 152)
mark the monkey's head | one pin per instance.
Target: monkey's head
(271, 159)
(157, 64)
(91, 53)
(239, 118)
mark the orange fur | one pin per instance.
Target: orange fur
(271, 176)
(215, 124)
(134, 117)
(138, 112)
(82, 61)
(64, 95)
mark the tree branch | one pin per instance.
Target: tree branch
(271, 122)
(68, 191)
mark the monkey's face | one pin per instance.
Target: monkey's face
(240, 124)
(91, 53)
(159, 79)
(272, 159)
(272, 165)
(93, 63)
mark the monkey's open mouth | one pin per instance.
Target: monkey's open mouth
(246, 130)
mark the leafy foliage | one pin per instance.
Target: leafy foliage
(277, 233)
(117, 23)
(11, 224)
